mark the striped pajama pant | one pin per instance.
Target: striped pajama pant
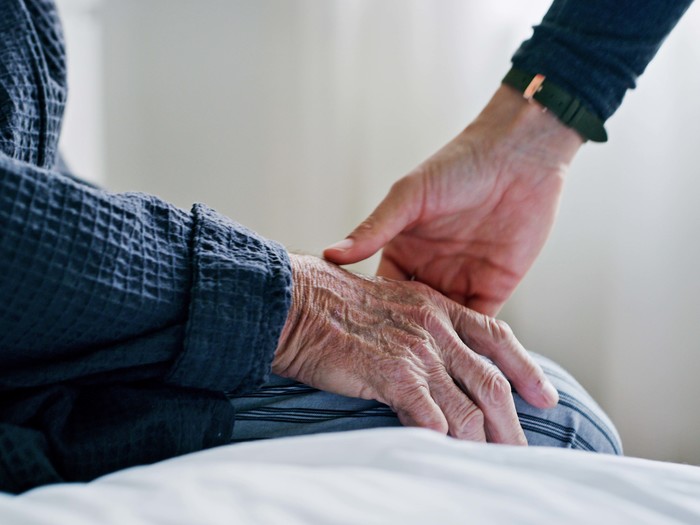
(284, 407)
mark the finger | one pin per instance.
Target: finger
(416, 408)
(464, 418)
(398, 209)
(489, 389)
(494, 339)
(473, 395)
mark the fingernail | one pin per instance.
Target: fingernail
(550, 393)
(343, 245)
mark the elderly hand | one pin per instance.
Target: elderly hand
(471, 220)
(405, 345)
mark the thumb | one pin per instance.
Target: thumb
(399, 209)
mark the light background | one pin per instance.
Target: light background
(295, 116)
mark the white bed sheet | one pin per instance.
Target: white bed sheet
(377, 476)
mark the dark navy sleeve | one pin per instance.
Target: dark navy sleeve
(123, 319)
(85, 275)
(596, 49)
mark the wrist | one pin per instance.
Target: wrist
(283, 357)
(569, 109)
(526, 128)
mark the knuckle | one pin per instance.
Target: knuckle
(425, 314)
(366, 226)
(427, 309)
(470, 424)
(495, 388)
(399, 373)
(413, 395)
(415, 408)
(423, 351)
(498, 329)
(407, 377)
(500, 333)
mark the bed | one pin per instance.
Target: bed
(395, 475)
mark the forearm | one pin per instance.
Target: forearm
(596, 49)
(129, 286)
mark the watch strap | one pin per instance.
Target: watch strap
(568, 109)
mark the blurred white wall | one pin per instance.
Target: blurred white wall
(81, 137)
(295, 116)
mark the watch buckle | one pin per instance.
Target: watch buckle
(533, 87)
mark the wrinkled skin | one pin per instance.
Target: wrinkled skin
(405, 345)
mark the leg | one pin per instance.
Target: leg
(283, 407)
(576, 422)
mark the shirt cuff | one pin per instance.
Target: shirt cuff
(241, 293)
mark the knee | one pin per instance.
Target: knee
(577, 422)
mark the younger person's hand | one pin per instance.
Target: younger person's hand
(471, 220)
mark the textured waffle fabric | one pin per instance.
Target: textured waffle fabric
(596, 49)
(122, 318)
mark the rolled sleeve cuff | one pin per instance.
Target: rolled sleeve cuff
(241, 293)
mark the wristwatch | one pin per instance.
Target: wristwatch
(568, 109)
